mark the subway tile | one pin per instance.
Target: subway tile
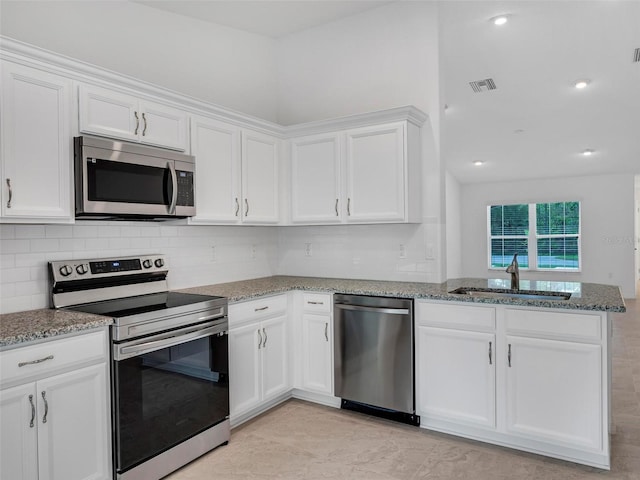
(29, 231)
(15, 246)
(108, 231)
(119, 243)
(130, 231)
(7, 232)
(15, 304)
(14, 275)
(45, 245)
(71, 244)
(59, 231)
(85, 231)
(29, 259)
(30, 288)
(167, 231)
(7, 261)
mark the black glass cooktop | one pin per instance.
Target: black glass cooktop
(124, 307)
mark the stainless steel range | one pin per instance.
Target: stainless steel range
(169, 369)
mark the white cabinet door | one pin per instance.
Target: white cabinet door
(216, 147)
(118, 115)
(315, 179)
(456, 376)
(108, 113)
(244, 368)
(74, 422)
(317, 355)
(18, 433)
(275, 374)
(259, 178)
(36, 145)
(163, 126)
(376, 175)
(554, 391)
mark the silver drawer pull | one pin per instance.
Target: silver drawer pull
(137, 123)
(337, 214)
(144, 130)
(33, 362)
(237, 206)
(264, 344)
(33, 411)
(259, 340)
(46, 407)
(490, 354)
(260, 309)
(10, 193)
(315, 303)
(326, 331)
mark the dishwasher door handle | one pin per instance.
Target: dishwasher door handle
(359, 308)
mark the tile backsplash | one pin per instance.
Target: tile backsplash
(196, 255)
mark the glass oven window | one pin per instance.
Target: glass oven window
(167, 396)
(110, 181)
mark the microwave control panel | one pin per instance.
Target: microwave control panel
(185, 188)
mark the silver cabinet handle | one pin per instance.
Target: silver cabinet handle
(144, 130)
(326, 331)
(360, 308)
(509, 356)
(174, 193)
(10, 193)
(337, 214)
(246, 207)
(264, 344)
(259, 339)
(33, 362)
(137, 123)
(237, 207)
(315, 303)
(349, 206)
(260, 309)
(33, 411)
(490, 355)
(46, 407)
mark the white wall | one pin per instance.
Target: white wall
(26, 249)
(211, 62)
(607, 226)
(454, 227)
(382, 58)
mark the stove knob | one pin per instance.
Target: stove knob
(82, 269)
(159, 262)
(146, 263)
(66, 270)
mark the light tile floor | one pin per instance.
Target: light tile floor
(300, 440)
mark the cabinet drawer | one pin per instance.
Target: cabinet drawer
(255, 309)
(570, 325)
(456, 316)
(316, 302)
(54, 355)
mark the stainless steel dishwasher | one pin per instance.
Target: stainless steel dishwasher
(374, 364)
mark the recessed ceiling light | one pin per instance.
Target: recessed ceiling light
(580, 84)
(588, 152)
(500, 20)
(477, 163)
(518, 131)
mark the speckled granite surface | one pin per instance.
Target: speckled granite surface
(584, 296)
(21, 327)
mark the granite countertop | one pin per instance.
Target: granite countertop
(21, 327)
(584, 296)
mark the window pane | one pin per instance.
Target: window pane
(560, 218)
(558, 252)
(509, 219)
(503, 249)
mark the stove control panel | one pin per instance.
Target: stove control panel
(106, 267)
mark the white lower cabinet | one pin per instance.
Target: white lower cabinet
(457, 375)
(258, 354)
(317, 343)
(535, 380)
(56, 427)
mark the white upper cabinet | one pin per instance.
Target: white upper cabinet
(376, 173)
(113, 114)
(260, 174)
(368, 174)
(216, 148)
(36, 146)
(315, 179)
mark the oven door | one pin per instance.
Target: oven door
(168, 388)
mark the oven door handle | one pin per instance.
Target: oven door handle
(176, 337)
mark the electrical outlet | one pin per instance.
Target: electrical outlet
(308, 249)
(403, 251)
(430, 255)
(253, 250)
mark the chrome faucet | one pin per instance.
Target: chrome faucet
(514, 270)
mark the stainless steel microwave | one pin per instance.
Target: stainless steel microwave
(115, 179)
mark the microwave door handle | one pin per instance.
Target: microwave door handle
(174, 182)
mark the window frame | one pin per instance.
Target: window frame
(533, 237)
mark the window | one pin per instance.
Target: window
(546, 236)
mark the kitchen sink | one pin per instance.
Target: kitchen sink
(498, 293)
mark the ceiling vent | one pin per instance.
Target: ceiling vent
(636, 55)
(483, 85)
